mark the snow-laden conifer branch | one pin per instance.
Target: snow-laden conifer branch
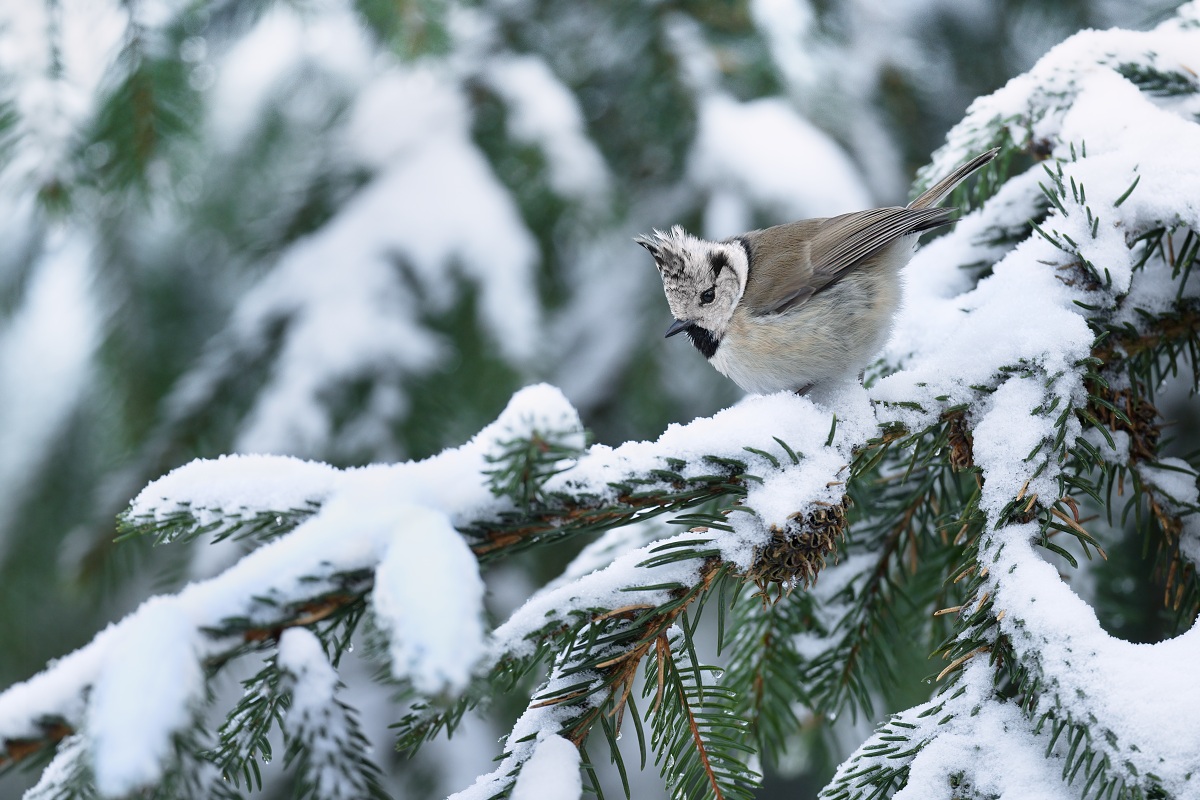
(323, 734)
(1015, 400)
(606, 624)
(373, 536)
(1055, 356)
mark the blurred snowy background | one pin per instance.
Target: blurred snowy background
(350, 230)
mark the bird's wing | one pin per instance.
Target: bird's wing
(793, 262)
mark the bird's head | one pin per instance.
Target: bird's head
(703, 281)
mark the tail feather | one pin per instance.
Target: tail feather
(934, 194)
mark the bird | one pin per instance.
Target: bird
(800, 304)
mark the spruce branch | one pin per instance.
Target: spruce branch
(765, 664)
(636, 498)
(185, 524)
(697, 735)
(607, 644)
(68, 776)
(323, 738)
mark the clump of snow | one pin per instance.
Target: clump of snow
(433, 207)
(313, 680)
(949, 345)
(532, 728)
(611, 587)
(538, 409)
(1005, 435)
(213, 489)
(787, 489)
(315, 719)
(438, 481)
(58, 774)
(144, 696)
(428, 597)
(1175, 478)
(551, 773)
(56, 692)
(46, 352)
(1011, 347)
(999, 732)
(1140, 697)
(787, 25)
(261, 62)
(608, 547)
(56, 85)
(544, 113)
(745, 155)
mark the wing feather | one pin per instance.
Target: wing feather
(793, 262)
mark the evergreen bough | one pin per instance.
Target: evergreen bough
(917, 532)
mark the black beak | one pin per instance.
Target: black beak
(678, 326)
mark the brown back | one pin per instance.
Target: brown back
(792, 262)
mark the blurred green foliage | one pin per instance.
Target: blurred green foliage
(185, 222)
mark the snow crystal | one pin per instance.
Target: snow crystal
(429, 598)
(551, 773)
(144, 696)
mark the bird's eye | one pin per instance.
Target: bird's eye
(708, 295)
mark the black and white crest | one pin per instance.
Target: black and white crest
(671, 250)
(702, 280)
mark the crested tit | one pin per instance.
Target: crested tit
(795, 305)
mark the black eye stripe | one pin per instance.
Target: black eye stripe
(718, 262)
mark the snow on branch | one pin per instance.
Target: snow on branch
(1050, 355)
(322, 732)
(1014, 395)
(383, 534)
